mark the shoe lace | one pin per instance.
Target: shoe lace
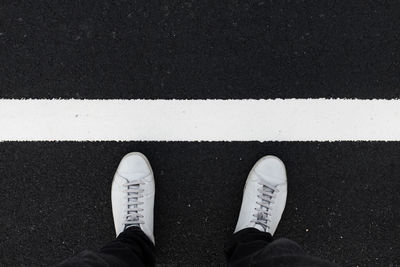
(133, 212)
(266, 196)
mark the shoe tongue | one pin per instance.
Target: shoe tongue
(261, 216)
(130, 225)
(268, 190)
(259, 227)
(132, 196)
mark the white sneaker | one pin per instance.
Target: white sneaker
(264, 196)
(132, 194)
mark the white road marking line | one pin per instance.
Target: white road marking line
(200, 120)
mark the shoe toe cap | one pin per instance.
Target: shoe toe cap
(271, 169)
(134, 166)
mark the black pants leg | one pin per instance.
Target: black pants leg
(251, 247)
(131, 248)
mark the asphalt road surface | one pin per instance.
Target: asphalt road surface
(343, 196)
